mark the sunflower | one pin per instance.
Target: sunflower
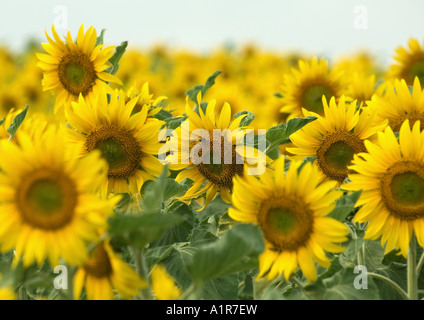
(304, 87)
(74, 68)
(290, 208)
(410, 63)
(126, 140)
(103, 273)
(7, 293)
(209, 159)
(391, 176)
(361, 88)
(48, 205)
(144, 99)
(399, 103)
(335, 138)
(163, 285)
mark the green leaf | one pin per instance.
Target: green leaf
(247, 119)
(175, 189)
(100, 37)
(345, 205)
(140, 229)
(192, 93)
(236, 251)
(2, 121)
(341, 287)
(280, 134)
(278, 95)
(153, 193)
(17, 121)
(222, 288)
(114, 60)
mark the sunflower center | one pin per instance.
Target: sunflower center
(98, 264)
(336, 152)
(118, 147)
(286, 222)
(416, 69)
(413, 117)
(312, 97)
(402, 189)
(47, 199)
(220, 174)
(77, 73)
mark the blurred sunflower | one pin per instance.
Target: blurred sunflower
(103, 273)
(74, 68)
(48, 205)
(145, 99)
(335, 138)
(7, 294)
(290, 208)
(391, 176)
(163, 285)
(126, 140)
(410, 63)
(398, 104)
(197, 157)
(305, 86)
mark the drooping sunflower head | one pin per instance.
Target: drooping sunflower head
(410, 63)
(336, 137)
(391, 176)
(305, 87)
(207, 148)
(49, 206)
(290, 208)
(126, 141)
(399, 103)
(74, 68)
(103, 272)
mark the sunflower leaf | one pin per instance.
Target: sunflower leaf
(345, 205)
(100, 37)
(247, 119)
(192, 93)
(153, 193)
(2, 121)
(114, 60)
(237, 250)
(17, 121)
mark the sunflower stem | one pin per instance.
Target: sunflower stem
(141, 267)
(187, 293)
(420, 264)
(391, 283)
(412, 270)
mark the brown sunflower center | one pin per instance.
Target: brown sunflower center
(402, 189)
(220, 170)
(77, 73)
(311, 97)
(118, 147)
(98, 264)
(414, 116)
(336, 152)
(46, 199)
(287, 222)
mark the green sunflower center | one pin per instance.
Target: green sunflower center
(47, 199)
(312, 97)
(77, 73)
(286, 222)
(119, 148)
(416, 69)
(336, 152)
(98, 265)
(402, 190)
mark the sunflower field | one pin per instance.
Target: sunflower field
(242, 174)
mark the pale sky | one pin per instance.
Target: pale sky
(312, 26)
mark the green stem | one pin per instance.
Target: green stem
(420, 264)
(412, 270)
(187, 293)
(391, 283)
(141, 267)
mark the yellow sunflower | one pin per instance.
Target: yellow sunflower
(398, 104)
(290, 208)
(48, 204)
(305, 86)
(361, 88)
(391, 176)
(163, 285)
(103, 273)
(7, 293)
(126, 140)
(74, 68)
(144, 99)
(335, 138)
(208, 152)
(410, 63)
